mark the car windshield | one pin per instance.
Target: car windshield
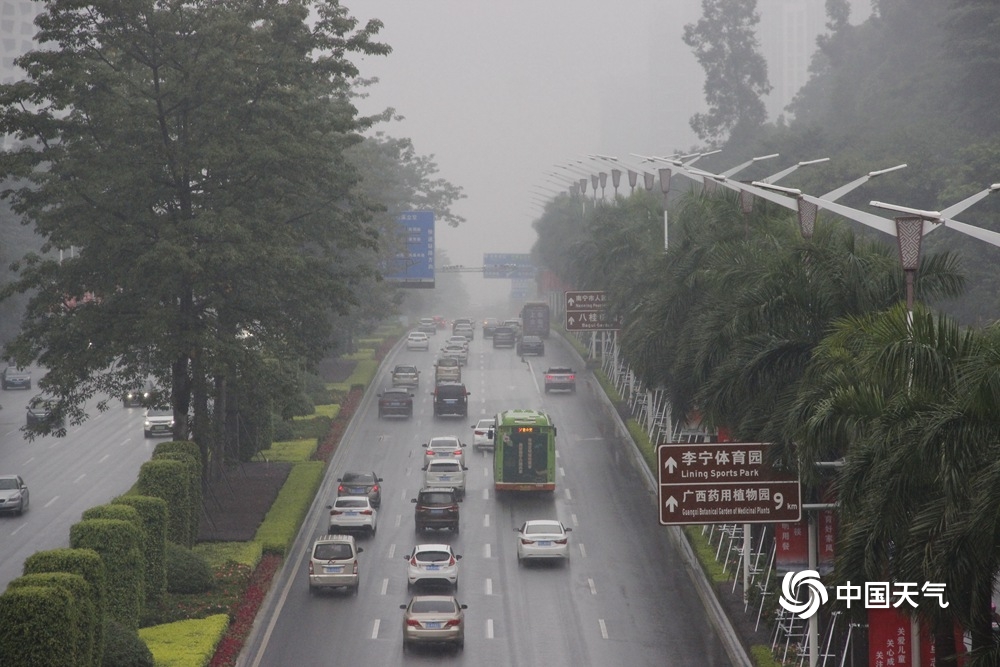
(447, 362)
(8, 484)
(333, 551)
(443, 443)
(160, 412)
(450, 466)
(406, 369)
(450, 392)
(358, 478)
(542, 529)
(436, 499)
(433, 556)
(352, 502)
(432, 607)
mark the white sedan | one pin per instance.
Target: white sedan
(455, 351)
(481, 434)
(352, 513)
(458, 340)
(432, 563)
(444, 446)
(541, 539)
(418, 340)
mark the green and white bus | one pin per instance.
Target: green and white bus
(524, 451)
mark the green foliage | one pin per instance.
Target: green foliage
(83, 600)
(125, 647)
(187, 571)
(641, 440)
(119, 544)
(154, 516)
(39, 626)
(217, 554)
(180, 451)
(292, 450)
(705, 552)
(118, 512)
(170, 481)
(761, 656)
(302, 429)
(363, 374)
(188, 643)
(283, 520)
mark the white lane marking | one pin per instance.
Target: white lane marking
(378, 622)
(103, 458)
(486, 521)
(54, 498)
(562, 471)
(489, 586)
(486, 473)
(593, 588)
(583, 552)
(125, 442)
(489, 628)
(568, 495)
(79, 478)
(17, 530)
(392, 551)
(29, 460)
(486, 494)
(399, 519)
(486, 550)
(604, 628)
(402, 495)
(576, 522)
(385, 586)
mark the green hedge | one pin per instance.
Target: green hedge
(82, 594)
(362, 376)
(283, 520)
(189, 454)
(169, 480)
(39, 626)
(291, 450)
(217, 554)
(119, 544)
(188, 643)
(154, 516)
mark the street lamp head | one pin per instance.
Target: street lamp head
(879, 172)
(795, 192)
(995, 187)
(926, 215)
(818, 161)
(765, 157)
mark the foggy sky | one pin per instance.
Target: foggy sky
(500, 92)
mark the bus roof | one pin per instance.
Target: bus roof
(523, 416)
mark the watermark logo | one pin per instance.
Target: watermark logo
(874, 594)
(805, 581)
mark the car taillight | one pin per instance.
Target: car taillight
(335, 512)
(562, 541)
(451, 561)
(480, 432)
(375, 489)
(452, 623)
(572, 377)
(355, 567)
(548, 377)
(525, 540)
(311, 567)
(458, 452)
(413, 623)
(413, 560)
(340, 489)
(366, 512)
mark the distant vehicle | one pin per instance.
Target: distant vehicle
(542, 539)
(524, 452)
(143, 396)
(447, 369)
(433, 619)
(482, 434)
(352, 513)
(15, 378)
(513, 324)
(456, 352)
(440, 322)
(395, 402)
(451, 399)
(504, 336)
(489, 325)
(432, 564)
(40, 411)
(418, 340)
(463, 329)
(458, 340)
(527, 344)
(13, 494)
(445, 473)
(444, 446)
(333, 563)
(436, 508)
(560, 378)
(361, 484)
(405, 375)
(535, 319)
(427, 325)
(159, 421)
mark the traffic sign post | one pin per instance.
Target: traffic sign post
(726, 482)
(586, 311)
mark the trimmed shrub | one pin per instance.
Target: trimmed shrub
(125, 648)
(187, 572)
(189, 643)
(153, 513)
(194, 492)
(314, 427)
(169, 480)
(291, 450)
(82, 594)
(282, 521)
(85, 562)
(119, 544)
(38, 627)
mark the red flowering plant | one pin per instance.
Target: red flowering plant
(347, 409)
(242, 616)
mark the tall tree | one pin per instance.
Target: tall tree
(193, 155)
(726, 46)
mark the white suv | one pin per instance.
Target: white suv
(445, 473)
(352, 513)
(333, 563)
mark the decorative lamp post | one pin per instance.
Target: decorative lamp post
(616, 179)
(633, 178)
(603, 177)
(665, 174)
(594, 182)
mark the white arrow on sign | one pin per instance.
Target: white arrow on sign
(671, 503)
(572, 320)
(571, 302)
(670, 464)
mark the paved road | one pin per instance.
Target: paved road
(625, 598)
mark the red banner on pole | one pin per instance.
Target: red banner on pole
(792, 546)
(889, 639)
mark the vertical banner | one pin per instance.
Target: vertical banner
(928, 649)
(827, 540)
(889, 638)
(414, 265)
(791, 546)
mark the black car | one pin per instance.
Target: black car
(436, 508)
(361, 484)
(451, 399)
(40, 409)
(504, 337)
(531, 345)
(489, 326)
(145, 396)
(15, 378)
(395, 402)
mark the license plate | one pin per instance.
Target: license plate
(333, 569)
(444, 478)
(351, 513)
(433, 625)
(545, 543)
(437, 511)
(433, 568)
(357, 489)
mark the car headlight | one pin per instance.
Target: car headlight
(146, 424)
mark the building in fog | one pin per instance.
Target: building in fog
(17, 32)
